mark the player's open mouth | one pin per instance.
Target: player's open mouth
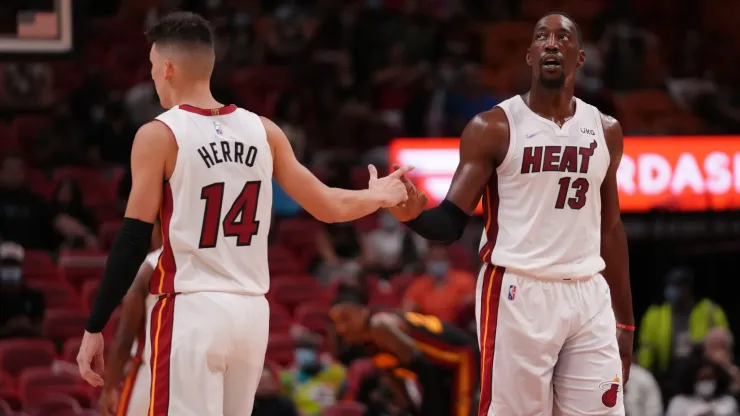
(551, 62)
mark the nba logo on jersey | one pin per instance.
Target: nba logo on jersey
(512, 292)
(218, 128)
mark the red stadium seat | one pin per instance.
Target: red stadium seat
(282, 261)
(344, 409)
(108, 232)
(53, 404)
(5, 408)
(61, 324)
(34, 384)
(19, 354)
(70, 349)
(7, 383)
(290, 292)
(58, 294)
(280, 319)
(299, 236)
(281, 349)
(314, 316)
(89, 290)
(12, 399)
(461, 257)
(38, 265)
(82, 265)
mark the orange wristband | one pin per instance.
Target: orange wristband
(630, 328)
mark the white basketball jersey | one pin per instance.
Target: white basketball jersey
(217, 205)
(143, 353)
(543, 207)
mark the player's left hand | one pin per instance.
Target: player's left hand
(108, 402)
(625, 340)
(90, 358)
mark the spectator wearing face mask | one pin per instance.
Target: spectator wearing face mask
(718, 346)
(315, 382)
(392, 248)
(269, 399)
(21, 308)
(439, 291)
(703, 388)
(669, 331)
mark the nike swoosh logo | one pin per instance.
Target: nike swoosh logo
(529, 136)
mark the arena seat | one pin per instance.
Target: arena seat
(344, 409)
(71, 348)
(460, 257)
(281, 260)
(37, 383)
(5, 408)
(58, 294)
(21, 353)
(108, 232)
(280, 319)
(52, 405)
(82, 265)
(281, 349)
(38, 265)
(290, 292)
(12, 399)
(24, 128)
(89, 290)
(314, 316)
(62, 324)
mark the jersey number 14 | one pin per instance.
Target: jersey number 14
(243, 227)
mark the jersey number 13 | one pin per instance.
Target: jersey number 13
(243, 227)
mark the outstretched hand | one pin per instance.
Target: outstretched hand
(390, 189)
(412, 207)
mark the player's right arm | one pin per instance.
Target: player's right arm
(131, 324)
(323, 202)
(483, 146)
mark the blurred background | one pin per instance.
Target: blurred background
(344, 80)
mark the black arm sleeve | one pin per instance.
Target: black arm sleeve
(444, 223)
(128, 252)
(433, 394)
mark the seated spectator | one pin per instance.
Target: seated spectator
(337, 244)
(269, 399)
(440, 291)
(67, 200)
(669, 332)
(29, 220)
(21, 308)
(315, 382)
(703, 390)
(642, 394)
(391, 248)
(718, 346)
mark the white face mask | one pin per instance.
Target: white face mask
(705, 388)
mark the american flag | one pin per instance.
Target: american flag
(33, 24)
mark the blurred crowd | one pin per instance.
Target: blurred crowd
(342, 78)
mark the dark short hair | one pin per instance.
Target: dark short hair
(579, 34)
(351, 297)
(181, 28)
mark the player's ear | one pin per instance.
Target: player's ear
(169, 69)
(528, 59)
(581, 58)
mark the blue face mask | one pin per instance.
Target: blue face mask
(437, 268)
(671, 294)
(11, 274)
(305, 357)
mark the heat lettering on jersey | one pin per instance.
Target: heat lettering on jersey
(557, 158)
(223, 151)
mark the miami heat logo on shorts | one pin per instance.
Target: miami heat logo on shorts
(611, 388)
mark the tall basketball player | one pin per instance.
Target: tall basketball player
(131, 352)
(206, 170)
(555, 252)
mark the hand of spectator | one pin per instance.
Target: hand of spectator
(411, 208)
(108, 402)
(90, 358)
(390, 189)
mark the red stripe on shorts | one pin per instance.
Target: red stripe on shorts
(161, 335)
(490, 296)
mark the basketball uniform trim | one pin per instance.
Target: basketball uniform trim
(512, 139)
(161, 341)
(490, 297)
(130, 381)
(600, 135)
(209, 112)
(163, 279)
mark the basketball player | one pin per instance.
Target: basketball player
(206, 168)
(442, 358)
(555, 252)
(130, 345)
